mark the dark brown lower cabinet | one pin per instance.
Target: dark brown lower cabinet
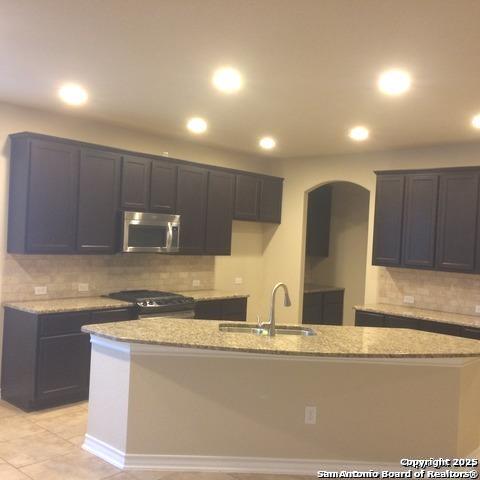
(63, 367)
(46, 358)
(323, 308)
(226, 309)
(371, 319)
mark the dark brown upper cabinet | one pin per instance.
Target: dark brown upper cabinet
(98, 201)
(43, 196)
(437, 228)
(258, 198)
(420, 220)
(457, 221)
(247, 197)
(65, 197)
(387, 235)
(270, 208)
(136, 173)
(192, 206)
(220, 197)
(318, 221)
(163, 186)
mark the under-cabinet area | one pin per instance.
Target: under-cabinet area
(66, 197)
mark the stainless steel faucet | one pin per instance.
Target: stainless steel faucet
(271, 320)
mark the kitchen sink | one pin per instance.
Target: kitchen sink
(256, 330)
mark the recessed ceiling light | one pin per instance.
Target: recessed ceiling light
(227, 80)
(394, 82)
(197, 125)
(267, 143)
(73, 94)
(476, 121)
(359, 134)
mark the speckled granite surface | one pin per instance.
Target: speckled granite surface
(330, 341)
(202, 295)
(313, 288)
(67, 305)
(422, 314)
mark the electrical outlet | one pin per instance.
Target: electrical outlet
(83, 287)
(41, 290)
(477, 308)
(408, 299)
(195, 283)
(310, 415)
(238, 280)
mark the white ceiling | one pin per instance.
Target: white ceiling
(310, 67)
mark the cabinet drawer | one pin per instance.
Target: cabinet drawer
(118, 315)
(333, 297)
(471, 332)
(62, 323)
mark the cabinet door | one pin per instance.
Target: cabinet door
(270, 208)
(163, 187)
(457, 220)
(208, 310)
(247, 197)
(218, 236)
(98, 201)
(387, 237)
(333, 308)
(312, 308)
(192, 206)
(234, 309)
(63, 367)
(318, 221)
(135, 183)
(420, 220)
(368, 319)
(52, 199)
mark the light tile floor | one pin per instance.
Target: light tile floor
(46, 445)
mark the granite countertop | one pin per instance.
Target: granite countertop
(330, 341)
(67, 305)
(203, 295)
(314, 288)
(422, 314)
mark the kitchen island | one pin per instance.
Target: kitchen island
(181, 395)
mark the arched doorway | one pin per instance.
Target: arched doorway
(336, 246)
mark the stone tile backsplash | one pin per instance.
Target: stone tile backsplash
(444, 291)
(104, 274)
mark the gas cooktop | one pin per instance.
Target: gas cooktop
(153, 301)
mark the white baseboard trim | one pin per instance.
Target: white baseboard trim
(224, 464)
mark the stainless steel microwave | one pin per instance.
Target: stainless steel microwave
(150, 232)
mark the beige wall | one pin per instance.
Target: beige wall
(284, 252)
(345, 265)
